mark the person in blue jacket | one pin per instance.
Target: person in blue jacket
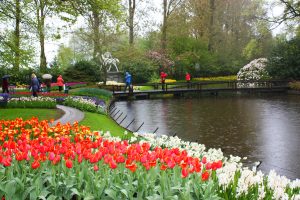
(128, 80)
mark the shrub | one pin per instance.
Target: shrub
(255, 70)
(86, 71)
(140, 71)
(284, 62)
(295, 85)
(92, 92)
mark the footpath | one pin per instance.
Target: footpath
(70, 115)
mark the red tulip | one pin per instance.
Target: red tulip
(184, 172)
(96, 168)
(35, 164)
(205, 176)
(51, 156)
(69, 164)
(163, 167)
(204, 160)
(113, 164)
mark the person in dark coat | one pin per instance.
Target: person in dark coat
(5, 85)
(35, 85)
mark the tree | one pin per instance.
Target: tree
(131, 11)
(14, 11)
(291, 9)
(44, 9)
(169, 6)
(98, 13)
(284, 62)
(65, 57)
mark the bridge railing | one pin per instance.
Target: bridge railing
(199, 85)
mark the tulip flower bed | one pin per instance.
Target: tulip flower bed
(44, 94)
(31, 102)
(71, 162)
(88, 104)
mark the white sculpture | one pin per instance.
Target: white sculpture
(108, 61)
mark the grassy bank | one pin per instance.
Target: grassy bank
(103, 123)
(26, 113)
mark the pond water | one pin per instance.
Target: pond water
(261, 128)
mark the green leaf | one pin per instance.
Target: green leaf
(111, 193)
(89, 197)
(124, 192)
(28, 191)
(75, 191)
(51, 197)
(10, 188)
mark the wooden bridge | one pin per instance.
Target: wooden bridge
(213, 87)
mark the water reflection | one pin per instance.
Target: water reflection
(260, 128)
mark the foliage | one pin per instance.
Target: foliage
(86, 71)
(295, 85)
(140, 71)
(134, 61)
(65, 56)
(284, 62)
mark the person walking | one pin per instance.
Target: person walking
(163, 77)
(188, 79)
(35, 85)
(60, 83)
(5, 85)
(128, 80)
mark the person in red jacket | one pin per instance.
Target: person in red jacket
(60, 83)
(5, 85)
(163, 77)
(188, 79)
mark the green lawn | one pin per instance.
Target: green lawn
(26, 113)
(102, 122)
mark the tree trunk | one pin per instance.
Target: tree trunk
(96, 40)
(164, 27)
(130, 20)
(16, 65)
(96, 34)
(211, 25)
(41, 31)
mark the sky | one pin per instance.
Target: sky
(51, 46)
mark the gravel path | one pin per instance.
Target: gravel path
(71, 115)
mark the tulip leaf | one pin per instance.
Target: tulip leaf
(10, 188)
(124, 192)
(51, 197)
(111, 193)
(89, 197)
